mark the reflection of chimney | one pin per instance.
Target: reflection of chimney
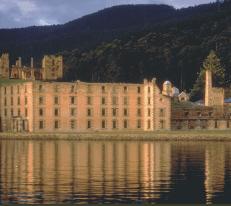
(20, 62)
(31, 62)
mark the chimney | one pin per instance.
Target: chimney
(32, 62)
(20, 62)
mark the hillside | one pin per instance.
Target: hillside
(83, 33)
(174, 49)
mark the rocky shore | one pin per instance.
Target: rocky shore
(195, 135)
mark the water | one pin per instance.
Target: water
(114, 172)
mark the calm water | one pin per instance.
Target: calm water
(114, 172)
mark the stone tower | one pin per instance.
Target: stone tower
(213, 96)
(52, 67)
(4, 66)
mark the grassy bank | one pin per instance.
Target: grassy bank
(195, 135)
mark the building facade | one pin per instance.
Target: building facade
(39, 106)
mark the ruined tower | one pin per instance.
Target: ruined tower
(52, 67)
(4, 66)
(213, 96)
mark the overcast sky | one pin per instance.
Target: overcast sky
(21, 13)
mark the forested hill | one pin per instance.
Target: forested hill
(83, 33)
(174, 50)
(129, 43)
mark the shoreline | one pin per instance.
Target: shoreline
(195, 135)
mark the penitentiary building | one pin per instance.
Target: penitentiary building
(40, 106)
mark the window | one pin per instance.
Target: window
(125, 89)
(114, 124)
(41, 124)
(73, 112)
(125, 124)
(125, 100)
(41, 100)
(19, 112)
(89, 124)
(56, 88)
(5, 112)
(161, 112)
(103, 124)
(89, 100)
(40, 88)
(138, 90)
(72, 89)
(56, 112)
(103, 89)
(103, 100)
(18, 100)
(138, 123)
(139, 101)
(149, 112)
(11, 101)
(138, 112)
(149, 124)
(26, 112)
(72, 100)
(11, 90)
(5, 102)
(149, 90)
(216, 124)
(162, 124)
(114, 100)
(103, 112)
(89, 112)
(114, 112)
(18, 89)
(26, 101)
(56, 124)
(73, 124)
(186, 114)
(149, 100)
(125, 112)
(12, 112)
(4, 90)
(113, 89)
(89, 88)
(41, 112)
(56, 100)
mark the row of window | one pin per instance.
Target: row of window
(104, 112)
(89, 125)
(17, 90)
(18, 112)
(73, 100)
(73, 124)
(18, 101)
(41, 88)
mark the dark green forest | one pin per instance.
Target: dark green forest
(130, 43)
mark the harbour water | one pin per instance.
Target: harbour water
(114, 172)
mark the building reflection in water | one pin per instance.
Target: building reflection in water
(214, 170)
(46, 172)
(96, 172)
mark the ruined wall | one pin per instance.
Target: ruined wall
(213, 96)
(52, 67)
(4, 66)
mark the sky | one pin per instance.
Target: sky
(23, 13)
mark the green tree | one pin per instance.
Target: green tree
(212, 63)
